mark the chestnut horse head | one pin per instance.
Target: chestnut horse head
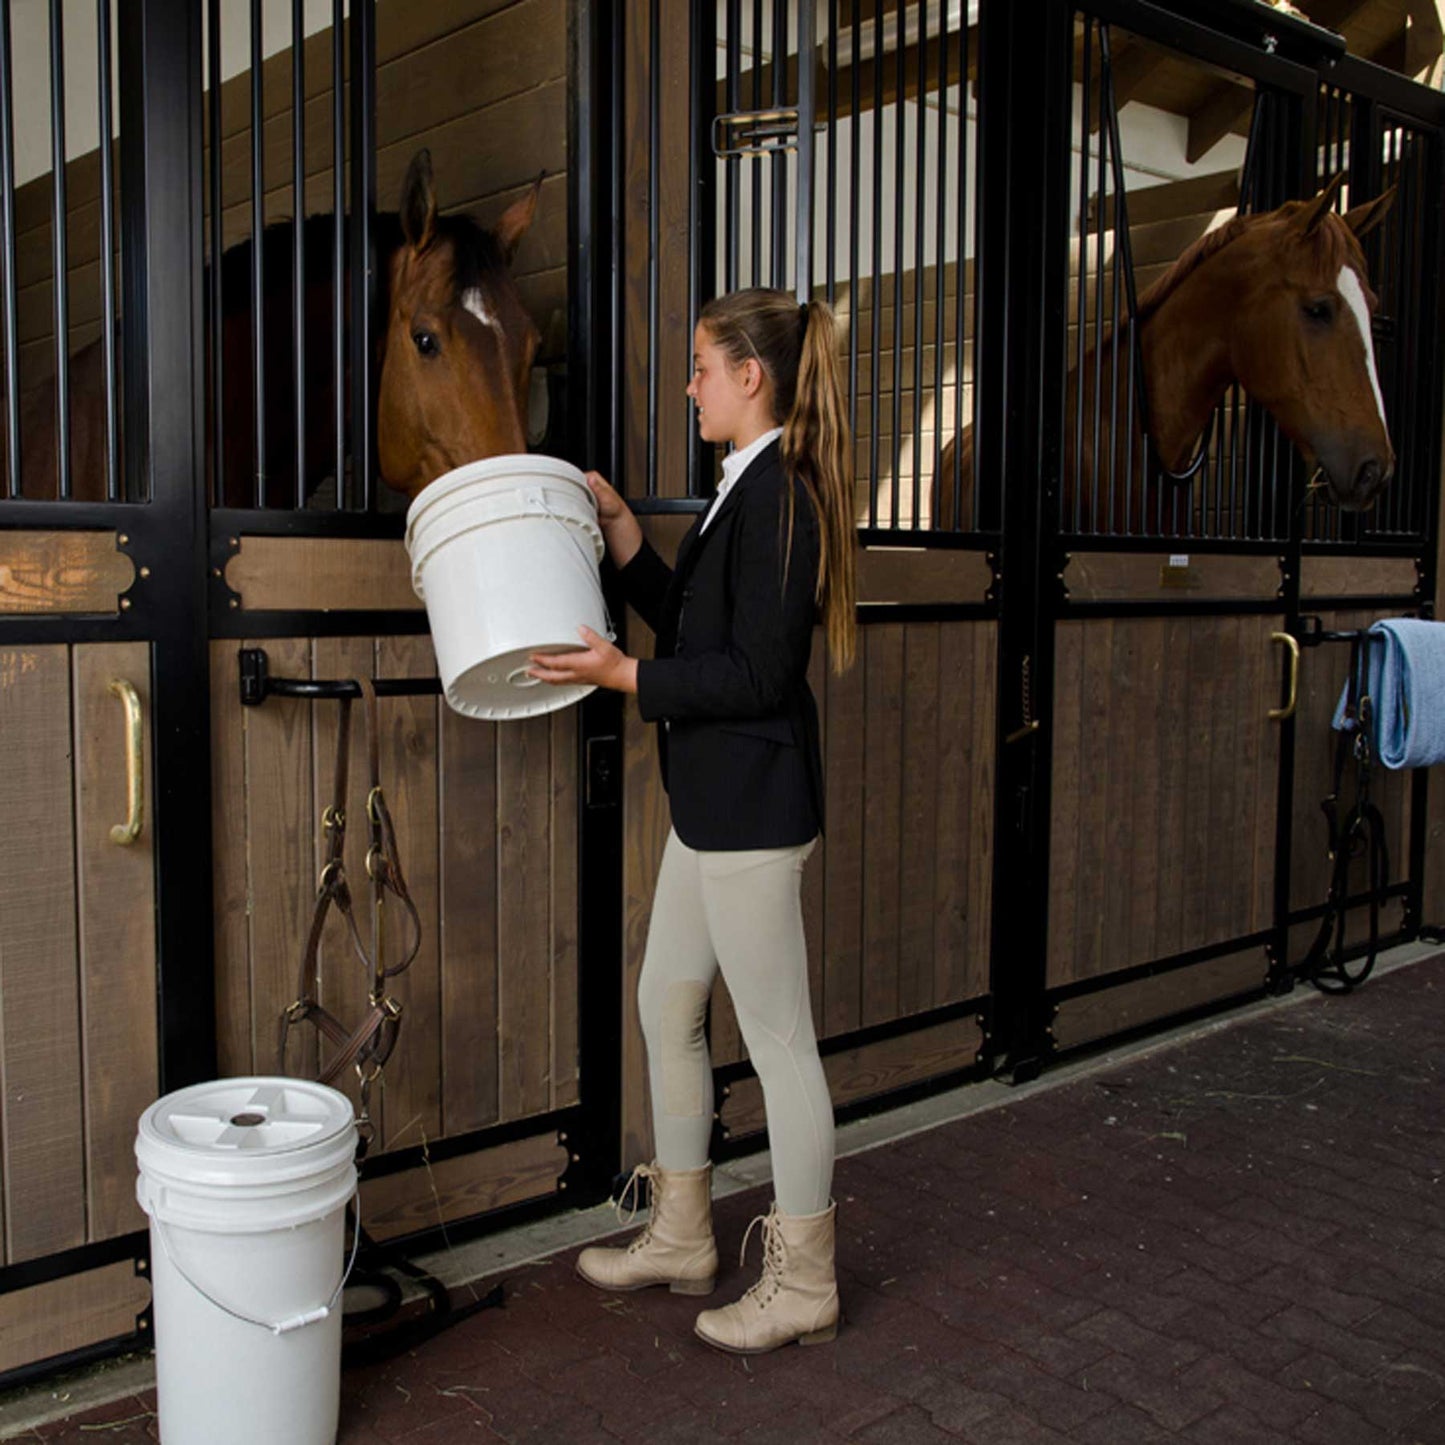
(1281, 304)
(458, 343)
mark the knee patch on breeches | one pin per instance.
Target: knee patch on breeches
(684, 1061)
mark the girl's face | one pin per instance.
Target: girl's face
(725, 395)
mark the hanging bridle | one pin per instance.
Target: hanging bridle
(369, 1044)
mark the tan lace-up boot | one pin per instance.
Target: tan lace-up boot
(797, 1297)
(675, 1248)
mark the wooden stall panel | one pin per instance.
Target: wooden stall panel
(1114, 1010)
(42, 1146)
(62, 572)
(1164, 789)
(866, 1072)
(116, 906)
(486, 828)
(68, 1314)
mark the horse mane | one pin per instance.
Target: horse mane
(1334, 243)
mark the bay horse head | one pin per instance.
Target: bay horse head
(458, 343)
(1281, 304)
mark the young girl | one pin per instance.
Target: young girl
(742, 765)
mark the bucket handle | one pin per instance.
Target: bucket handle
(589, 563)
(292, 1322)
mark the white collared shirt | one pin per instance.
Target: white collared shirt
(734, 465)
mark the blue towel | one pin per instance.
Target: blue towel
(1405, 677)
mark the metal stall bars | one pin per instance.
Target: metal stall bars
(271, 455)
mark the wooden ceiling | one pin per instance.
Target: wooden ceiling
(1404, 35)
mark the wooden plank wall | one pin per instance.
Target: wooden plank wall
(1165, 771)
(486, 825)
(78, 1058)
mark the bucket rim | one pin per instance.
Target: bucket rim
(213, 1111)
(492, 469)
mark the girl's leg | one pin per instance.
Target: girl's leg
(755, 918)
(672, 997)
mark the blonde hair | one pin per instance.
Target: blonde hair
(797, 348)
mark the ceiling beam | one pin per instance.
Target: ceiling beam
(1228, 106)
(1133, 64)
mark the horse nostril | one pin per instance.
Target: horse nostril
(1370, 478)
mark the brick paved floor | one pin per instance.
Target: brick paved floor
(1236, 1240)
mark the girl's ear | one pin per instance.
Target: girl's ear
(752, 376)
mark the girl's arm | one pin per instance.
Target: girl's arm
(643, 574)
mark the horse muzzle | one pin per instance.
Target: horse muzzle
(1355, 477)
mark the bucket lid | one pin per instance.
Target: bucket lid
(261, 1129)
(509, 469)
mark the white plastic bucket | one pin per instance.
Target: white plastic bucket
(504, 553)
(246, 1183)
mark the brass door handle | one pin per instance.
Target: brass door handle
(1281, 714)
(127, 832)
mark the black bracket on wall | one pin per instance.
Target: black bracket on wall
(257, 684)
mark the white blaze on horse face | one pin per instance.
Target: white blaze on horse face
(474, 301)
(1349, 287)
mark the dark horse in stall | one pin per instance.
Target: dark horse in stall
(1279, 304)
(454, 354)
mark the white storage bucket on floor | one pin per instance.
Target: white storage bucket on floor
(504, 553)
(246, 1182)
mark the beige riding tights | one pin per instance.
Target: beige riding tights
(741, 912)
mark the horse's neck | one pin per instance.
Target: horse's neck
(1184, 348)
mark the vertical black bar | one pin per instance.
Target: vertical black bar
(733, 164)
(778, 159)
(855, 171)
(654, 221)
(338, 248)
(702, 215)
(594, 136)
(920, 171)
(107, 251)
(298, 240)
(831, 203)
(755, 276)
(363, 249)
(1080, 303)
(940, 245)
(960, 313)
(59, 217)
(1098, 524)
(213, 275)
(900, 152)
(258, 270)
(162, 370)
(876, 298)
(7, 260)
(1024, 107)
(807, 145)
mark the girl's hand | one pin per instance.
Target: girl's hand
(620, 529)
(598, 664)
(610, 506)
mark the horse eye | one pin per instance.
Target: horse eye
(426, 342)
(1320, 311)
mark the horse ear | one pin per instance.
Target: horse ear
(1364, 218)
(419, 202)
(1316, 210)
(517, 219)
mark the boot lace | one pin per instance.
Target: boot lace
(633, 1187)
(775, 1258)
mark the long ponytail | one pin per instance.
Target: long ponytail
(797, 346)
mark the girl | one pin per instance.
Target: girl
(742, 765)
